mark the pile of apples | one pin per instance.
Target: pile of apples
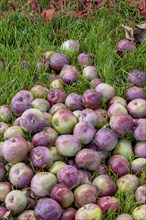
(62, 156)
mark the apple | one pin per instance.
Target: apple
(125, 45)
(47, 119)
(84, 194)
(128, 183)
(74, 102)
(140, 194)
(62, 194)
(106, 139)
(56, 155)
(19, 104)
(42, 183)
(20, 175)
(90, 73)
(88, 159)
(88, 115)
(85, 176)
(15, 149)
(3, 127)
(121, 123)
(56, 95)
(57, 83)
(5, 113)
(107, 203)
(139, 213)
(138, 164)
(68, 214)
(1, 156)
(41, 157)
(5, 188)
(64, 121)
(76, 113)
(27, 214)
(67, 145)
(135, 93)
(116, 109)
(46, 55)
(140, 149)
(102, 117)
(3, 212)
(58, 60)
(69, 175)
(104, 185)
(85, 59)
(117, 100)
(95, 82)
(136, 77)
(102, 169)
(91, 99)
(119, 165)
(106, 90)
(2, 171)
(39, 91)
(41, 104)
(16, 201)
(124, 216)
(137, 108)
(84, 132)
(13, 131)
(71, 45)
(139, 131)
(51, 133)
(47, 208)
(17, 121)
(41, 139)
(89, 211)
(69, 74)
(56, 107)
(124, 148)
(55, 167)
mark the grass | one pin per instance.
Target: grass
(22, 39)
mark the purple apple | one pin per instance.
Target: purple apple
(107, 203)
(69, 175)
(5, 188)
(47, 208)
(138, 164)
(26, 94)
(104, 185)
(89, 211)
(51, 133)
(17, 121)
(56, 107)
(121, 123)
(128, 183)
(88, 159)
(15, 149)
(56, 95)
(1, 156)
(2, 171)
(58, 60)
(139, 131)
(27, 214)
(85, 176)
(102, 117)
(91, 99)
(39, 91)
(71, 45)
(64, 121)
(20, 175)
(139, 212)
(5, 113)
(19, 104)
(117, 100)
(69, 74)
(85, 59)
(16, 201)
(41, 157)
(102, 170)
(84, 194)
(68, 214)
(116, 109)
(57, 83)
(47, 119)
(3, 127)
(124, 216)
(3, 212)
(95, 82)
(42, 183)
(140, 194)
(84, 132)
(136, 77)
(74, 101)
(62, 194)
(13, 131)
(137, 108)
(140, 149)
(124, 147)
(68, 145)
(41, 104)
(88, 115)
(106, 91)
(32, 120)
(90, 73)
(135, 93)
(30, 197)
(125, 45)
(106, 139)
(41, 139)
(119, 165)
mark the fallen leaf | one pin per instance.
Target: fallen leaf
(139, 32)
(128, 32)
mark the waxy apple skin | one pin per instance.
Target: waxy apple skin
(108, 202)
(68, 214)
(74, 101)
(124, 216)
(139, 131)
(135, 93)
(5, 113)
(139, 212)
(2, 171)
(136, 77)
(137, 108)
(5, 188)
(106, 91)
(91, 99)
(56, 95)
(128, 183)
(140, 194)
(27, 214)
(3, 211)
(3, 127)
(39, 91)
(140, 149)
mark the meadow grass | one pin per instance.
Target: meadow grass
(22, 39)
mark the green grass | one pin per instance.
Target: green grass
(22, 39)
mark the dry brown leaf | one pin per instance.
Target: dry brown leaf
(128, 32)
(139, 32)
(6, 216)
(47, 14)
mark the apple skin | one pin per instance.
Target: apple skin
(64, 121)
(85, 59)
(58, 60)
(47, 119)
(136, 77)
(56, 95)
(16, 121)
(56, 107)
(137, 108)
(68, 175)
(39, 91)
(84, 132)
(107, 203)
(85, 176)
(90, 73)
(68, 214)
(57, 83)
(139, 131)
(41, 157)
(5, 113)
(88, 212)
(102, 169)
(119, 165)
(88, 159)
(117, 100)
(135, 93)
(71, 45)
(41, 104)
(102, 117)
(116, 109)
(19, 104)
(68, 145)
(95, 82)
(42, 183)
(1, 156)
(124, 148)
(3, 127)
(54, 168)
(74, 101)
(47, 208)
(5, 188)
(27, 214)
(26, 94)
(15, 149)
(91, 99)
(138, 164)
(106, 91)
(128, 183)
(69, 74)
(2, 171)
(41, 139)
(13, 131)
(140, 149)
(125, 216)
(20, 175)
(62, 194)
(104, 185)
(106, 139)
(88, 115)
(121, 123)
(32, 120)
(16, 201)
(51, 133)
(56, 155)
(139, 212)
(84, 194)
(140, 194)
(3, 211)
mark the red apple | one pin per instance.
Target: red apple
(107, 203)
